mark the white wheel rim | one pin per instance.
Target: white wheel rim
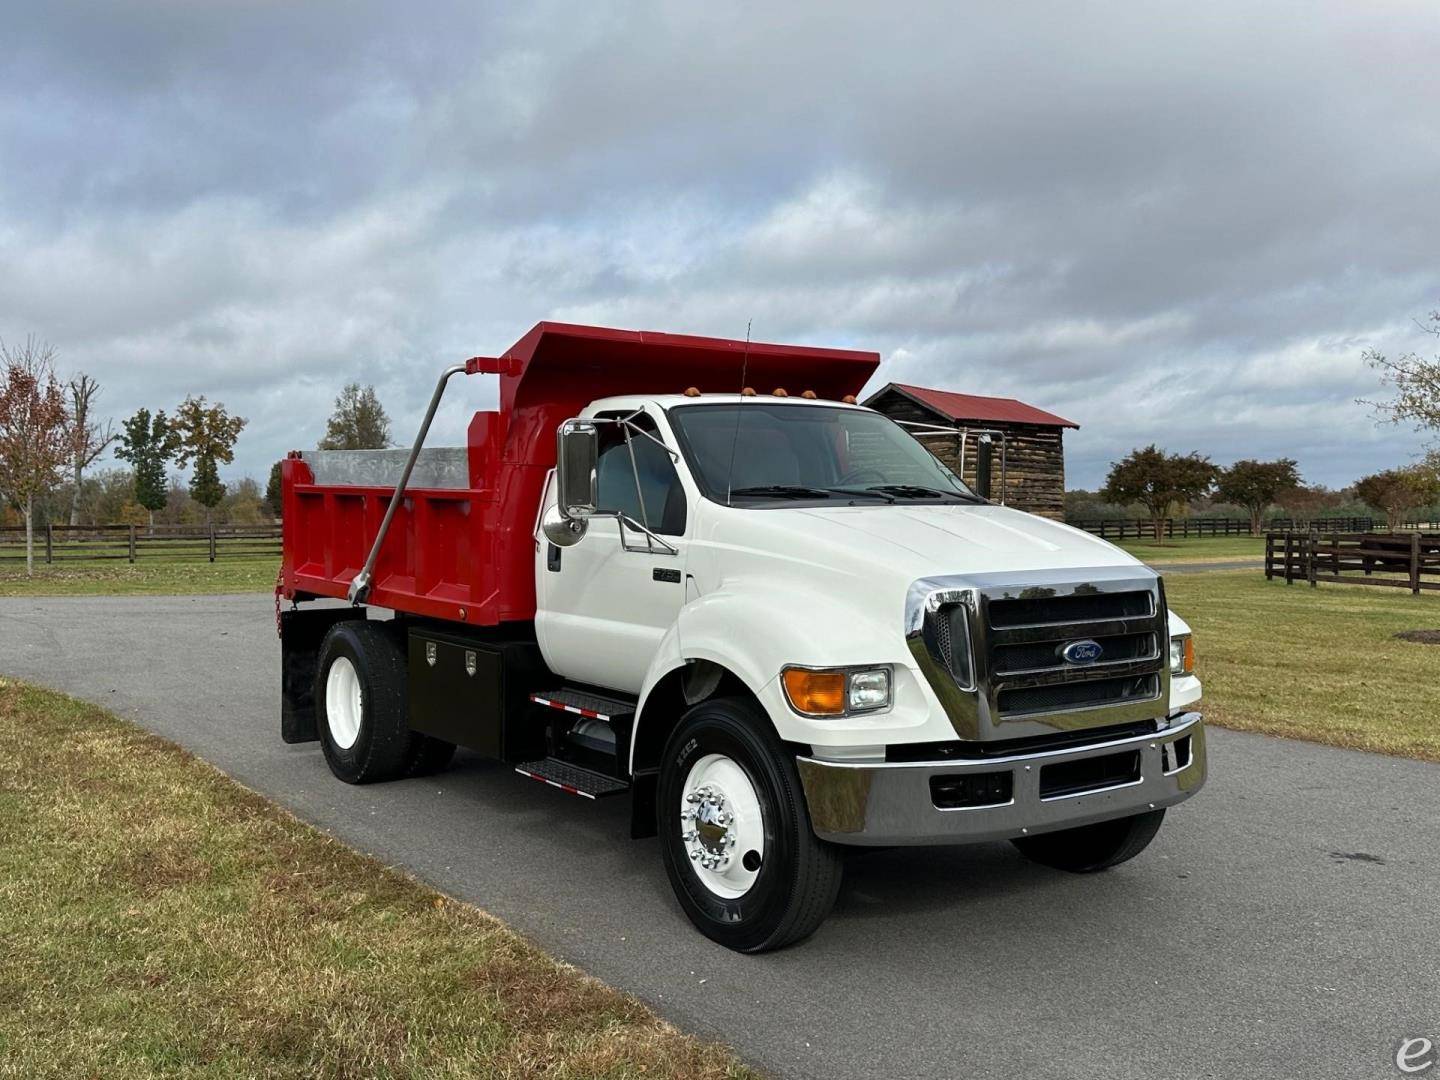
(343, 702)
(721, 826)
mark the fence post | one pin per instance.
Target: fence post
(1310, 561)
(1415, 563)
(1289, 565)
(49, 543)
(212, 542)
(1269, 557)
(132, 543)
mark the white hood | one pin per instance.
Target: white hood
(959, 539)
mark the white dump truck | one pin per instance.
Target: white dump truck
(692, 572)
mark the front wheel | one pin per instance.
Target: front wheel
(1093, 847)
(735, 834)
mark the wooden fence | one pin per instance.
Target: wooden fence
(1404, 560)
(68, 543)
(1129, 528)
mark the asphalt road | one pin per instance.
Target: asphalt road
(1286, 922)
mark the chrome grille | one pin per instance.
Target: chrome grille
(1026, 635)
(993, 648)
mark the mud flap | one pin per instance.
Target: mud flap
(301, 632)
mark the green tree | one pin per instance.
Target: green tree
(273, 498)
(1256, 484)
(1397, 490)
(358, 422)
(148, 442)
(1157, 481)
(207, 435)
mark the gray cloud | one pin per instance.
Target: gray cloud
(1168, 223)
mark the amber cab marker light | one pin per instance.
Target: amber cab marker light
(817, 693)
(749, 391)
(779, 391)
(848, 399)
(809, 395)
(692, 391)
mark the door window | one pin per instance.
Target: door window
(647, 491)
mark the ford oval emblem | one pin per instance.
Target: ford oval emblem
(1082, 652)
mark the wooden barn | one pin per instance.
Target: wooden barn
(1034, 467)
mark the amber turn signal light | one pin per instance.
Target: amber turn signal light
(1188, 664)
(816, 693)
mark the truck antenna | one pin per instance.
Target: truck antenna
(744, 370)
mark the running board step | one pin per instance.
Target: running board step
(590, 706)
(572, 779)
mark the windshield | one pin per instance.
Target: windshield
(751, 453)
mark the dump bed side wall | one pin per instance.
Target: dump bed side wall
(450, 553)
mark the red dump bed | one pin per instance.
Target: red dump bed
(466, 552)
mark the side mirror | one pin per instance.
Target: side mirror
(576, 453)
(984, 458)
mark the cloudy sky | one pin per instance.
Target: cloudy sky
(1173, 223)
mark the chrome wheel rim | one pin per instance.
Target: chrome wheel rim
(344, 702)
(721, 826)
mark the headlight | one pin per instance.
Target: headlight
(836, 691)
(1182, 655)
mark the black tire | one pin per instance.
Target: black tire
(1093, 847)
(385, 745)
(800, 874)
(430, 756)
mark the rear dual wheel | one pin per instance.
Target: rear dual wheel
(362, 708)
(735, 833)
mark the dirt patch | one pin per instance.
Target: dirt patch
(1421, 637)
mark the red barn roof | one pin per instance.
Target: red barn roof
(994, 410)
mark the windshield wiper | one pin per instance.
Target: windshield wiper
(919, 491)
(870, 492)
(803, 491)
(784, 491)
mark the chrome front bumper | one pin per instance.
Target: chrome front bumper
(894, 802)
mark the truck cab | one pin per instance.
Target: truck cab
(783, 629)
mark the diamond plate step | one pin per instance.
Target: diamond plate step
(572, 779)
(592, 706)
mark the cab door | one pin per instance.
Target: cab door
(605, 602)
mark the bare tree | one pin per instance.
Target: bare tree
(88, 440)
(34, 430)
(1415, 379)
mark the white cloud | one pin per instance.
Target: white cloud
(1175, 224)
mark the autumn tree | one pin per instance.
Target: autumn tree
(1256, 484)
(34, 430)
(1157, 481)
(358, 422)
(206, 436)
(88, 439)
(1415, 380)
(148, 442)
(1397, 490)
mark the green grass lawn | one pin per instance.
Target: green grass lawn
(227, 574)
(157, 918)
(1319, 664)
(1197, 549)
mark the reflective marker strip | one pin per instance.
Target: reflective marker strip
(567, 788)
(589, 714)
